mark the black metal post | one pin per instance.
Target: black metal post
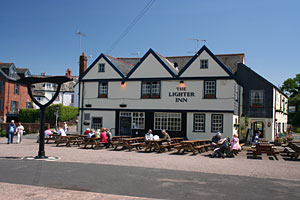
(59, 80)
(41, 153)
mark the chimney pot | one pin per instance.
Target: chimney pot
(82, 63)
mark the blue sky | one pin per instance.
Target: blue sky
(41, 35)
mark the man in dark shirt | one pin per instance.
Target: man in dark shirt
(215, 140)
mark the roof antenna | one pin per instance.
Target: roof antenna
(80, 34)
(197, 40)
(137, 53)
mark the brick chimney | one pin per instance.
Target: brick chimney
(82, 64)
(68, 73)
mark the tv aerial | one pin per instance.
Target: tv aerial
(80, 34)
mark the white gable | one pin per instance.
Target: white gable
(214, 69)
(108, 74)
(150, 68)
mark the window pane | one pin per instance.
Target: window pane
(217, 123)
(97, 123)
(199, 122)
(257, 98)
(168, 121)
(210, 88)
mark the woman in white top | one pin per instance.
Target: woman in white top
(20, 130)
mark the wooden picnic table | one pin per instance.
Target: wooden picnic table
(69, 140)
(193, 145)
(155, 144)
(264, 148)
(114, 138)
(293, 149)
(52, 136)
(129, 143)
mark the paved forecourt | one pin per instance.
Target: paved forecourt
(146, 175)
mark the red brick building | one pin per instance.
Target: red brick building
(13, 96)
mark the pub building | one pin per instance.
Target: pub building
(190, 96)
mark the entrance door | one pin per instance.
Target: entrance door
(258, 126)
(125, 126)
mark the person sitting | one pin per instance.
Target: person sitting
(215, 140)
(103, 137)
(148, 136)
(48, 132)
(109, 137)
(61, 131)
(97, 133)
(166, 136)
(257, 138)
(87, 131)
(235, 144)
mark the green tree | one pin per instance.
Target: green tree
(291, 87)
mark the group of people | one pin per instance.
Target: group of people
(12, 130)
(103, 135)
(220, 145)
(149, 136)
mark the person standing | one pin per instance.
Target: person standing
(65, 127)
(11, 131)
(20, 130)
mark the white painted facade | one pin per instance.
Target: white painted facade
(182, 97)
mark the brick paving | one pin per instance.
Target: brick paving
(241, 165)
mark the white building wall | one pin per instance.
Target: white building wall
(227, 126)
(213, 70)
(131, 96)
(150, 68)
(94, 74)
(108, 119)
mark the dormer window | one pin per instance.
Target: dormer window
(27, 74)
(101, 67)
(203, 64)
(12, 71)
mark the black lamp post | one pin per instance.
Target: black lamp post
(28, 81)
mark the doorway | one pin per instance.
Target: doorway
(125, 126)
(258, 126)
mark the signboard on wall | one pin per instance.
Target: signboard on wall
(181, 94)
(292, 109)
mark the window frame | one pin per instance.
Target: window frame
(256, 105)
(194, 122)
(203, 63)
(135, 118)
(16, 88)
(210, 96)
(103, 95)
(1, 86)
(101, 67)
(151, 95)
(92, 123)
(167, 122)
(212, 123)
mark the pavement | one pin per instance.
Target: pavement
(109, 174)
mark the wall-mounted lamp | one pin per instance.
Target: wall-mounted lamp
(181, 83)
(123, 83)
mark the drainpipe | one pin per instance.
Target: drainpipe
(81, 121)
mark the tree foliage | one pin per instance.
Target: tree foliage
(66, 113)
(291, 87)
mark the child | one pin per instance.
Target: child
(235, 144)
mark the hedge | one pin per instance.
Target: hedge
(66, 113)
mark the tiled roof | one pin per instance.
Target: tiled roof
(123, 66)
(229, 60)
